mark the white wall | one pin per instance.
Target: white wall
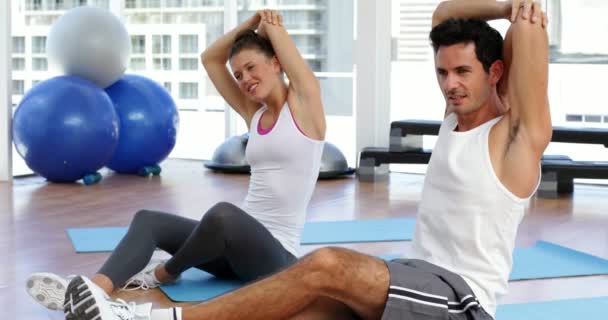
(6, 172)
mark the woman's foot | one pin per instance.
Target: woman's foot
(48, 289)
(152, 276)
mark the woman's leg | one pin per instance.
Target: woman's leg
(228, 235)
(148, 230)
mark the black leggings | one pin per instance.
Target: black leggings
(227, 242)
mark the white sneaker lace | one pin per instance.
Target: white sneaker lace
(137, 282)
(131, 308)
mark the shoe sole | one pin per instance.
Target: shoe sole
(47, 289)
(80, 302)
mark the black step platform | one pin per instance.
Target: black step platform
(558, 175)
(558, 171)
(406, 134)
(382, 156)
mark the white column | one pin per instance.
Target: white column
(372, 73)
(230, 22)
(6, 115)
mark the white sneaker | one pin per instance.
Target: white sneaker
(84, 300)
(145, 279)
(48, 289)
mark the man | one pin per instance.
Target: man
(484, 167)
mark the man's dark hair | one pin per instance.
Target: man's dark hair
(249, 39)
(488, 42)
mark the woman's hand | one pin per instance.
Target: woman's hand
(270, 16)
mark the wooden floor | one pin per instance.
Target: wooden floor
(35, 214)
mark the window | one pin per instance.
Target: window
(137, 64)
(414, 89)
(188, 90)
(574, 118)
(167, 86)
(34, 5)
(174, 3)
(59, 5)
(18, 87)
(18, 44)
(571, 19)
(188, 44)
(181, 29)
(162, 64)
(315, 64)
(593, 118)
(40, 64)
(188, 64)
(323, 33)
(161, 44)
(415, 93)
(39, 20)
(18, 64)
(38, 44)
(150, 4)
(175, 30)
(138, 44)
(578, 68)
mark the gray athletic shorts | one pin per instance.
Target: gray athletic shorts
(422, 291)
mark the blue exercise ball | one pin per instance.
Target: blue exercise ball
(65, 128)
(148, 123)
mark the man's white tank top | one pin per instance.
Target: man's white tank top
(284, 170)
(467, 219)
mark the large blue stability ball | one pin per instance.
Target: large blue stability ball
(148, 123)
(65, 128)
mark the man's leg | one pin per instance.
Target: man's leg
(357, 281)
(326, 309)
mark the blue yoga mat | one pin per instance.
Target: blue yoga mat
(196, 285)
(322, 232)
(103, 239)
(548, 260)
(544, 260)
(350, 231)
(584, 309)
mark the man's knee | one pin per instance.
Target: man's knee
(329, 261)
(316, 271)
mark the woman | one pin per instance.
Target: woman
(287, 129)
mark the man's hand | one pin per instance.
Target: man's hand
(526, 9)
